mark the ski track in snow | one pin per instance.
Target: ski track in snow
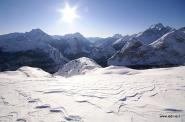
(137, 97)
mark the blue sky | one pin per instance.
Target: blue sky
(96, 17)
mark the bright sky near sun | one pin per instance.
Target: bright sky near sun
(69, 13)
(89, 17)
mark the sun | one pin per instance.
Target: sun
(69, 14)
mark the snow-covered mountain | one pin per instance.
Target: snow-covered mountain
(20, 49)
(107, 41)
(14, 42)
(153, 33)
(38, 35)
(119, 43)
(30, 48)
(148, 36)
(94, 39)
(101, 54)
(117, 36)
(167, 50)
(32, 72)
(73, 45)
(77, 67)
(182, 29)
(104, 49)
(76, 43)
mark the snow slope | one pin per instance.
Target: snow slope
(153, 33)
(112, 94)
(167, 50)
(26, 71)
(119, 43)
(77, 67)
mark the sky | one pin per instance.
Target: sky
(92, 18)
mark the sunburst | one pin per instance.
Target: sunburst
(69, 14)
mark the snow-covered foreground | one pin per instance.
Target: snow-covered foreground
(112, 94)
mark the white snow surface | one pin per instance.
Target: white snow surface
(112, 94)
(26, 71)
(77, 67)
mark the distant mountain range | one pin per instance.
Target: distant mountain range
(158, 45)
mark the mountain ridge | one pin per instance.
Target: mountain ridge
(58, 50)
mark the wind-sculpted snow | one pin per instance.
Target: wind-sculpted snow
(112, 94)
(26, 72)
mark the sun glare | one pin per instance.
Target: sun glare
(69, 14)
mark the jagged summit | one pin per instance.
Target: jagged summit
(153, 33)
(34, 33)
(166, 51)
(118, 36)
(158, 26)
